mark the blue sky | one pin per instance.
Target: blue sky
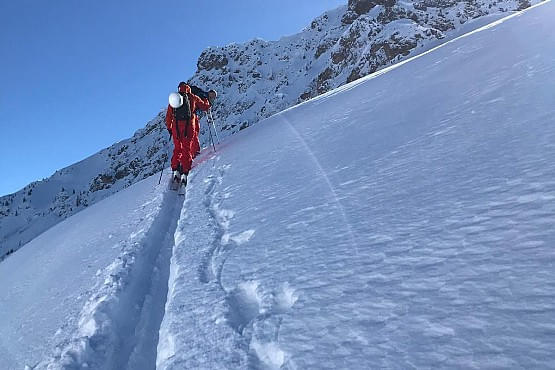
(77, 76)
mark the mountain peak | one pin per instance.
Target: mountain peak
(364, 6)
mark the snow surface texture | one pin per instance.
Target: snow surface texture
(404, 220)
(255, 80)
(91, 290)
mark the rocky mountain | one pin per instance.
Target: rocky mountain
(42, 204)
(254, 80)
(260, 78)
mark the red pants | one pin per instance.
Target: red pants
(196, 145)
(183, 139)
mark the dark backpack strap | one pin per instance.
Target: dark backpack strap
(174, 110)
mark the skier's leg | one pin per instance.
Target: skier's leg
(176, 153)
(186, 152)
(175, 162)
(196, 143)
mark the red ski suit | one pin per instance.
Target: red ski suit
(183, 132)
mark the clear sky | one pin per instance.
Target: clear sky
(77, 76)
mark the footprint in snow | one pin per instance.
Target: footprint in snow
(237, 238)
(249, 302)
(244, 305)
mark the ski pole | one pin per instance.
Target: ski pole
(162, 171)
(210, 131)
(214, 125)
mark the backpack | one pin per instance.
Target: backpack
(199, 92)
(183, 113)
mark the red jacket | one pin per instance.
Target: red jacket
(195, 103)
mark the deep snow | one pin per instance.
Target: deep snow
(404, 220)
(91, 289)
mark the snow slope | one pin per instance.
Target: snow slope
(80, 292)
(404, 220)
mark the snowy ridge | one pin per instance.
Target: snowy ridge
(43, 204)
(260, 78)
(255, 80)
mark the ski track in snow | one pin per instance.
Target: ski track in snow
(226, 326)
(194, 320)
(119, 325)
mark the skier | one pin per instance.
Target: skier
(180, 123)
(210, 95)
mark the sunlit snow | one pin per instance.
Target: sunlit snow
(405, 220)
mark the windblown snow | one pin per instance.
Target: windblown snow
(405, 220)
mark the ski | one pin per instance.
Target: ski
(182, 185)
(175, 182)
(174, 185)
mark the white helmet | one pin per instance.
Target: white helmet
(176, 100)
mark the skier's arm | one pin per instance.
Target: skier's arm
(202, 104)
(169, 119)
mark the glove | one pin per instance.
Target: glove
(212, 95)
